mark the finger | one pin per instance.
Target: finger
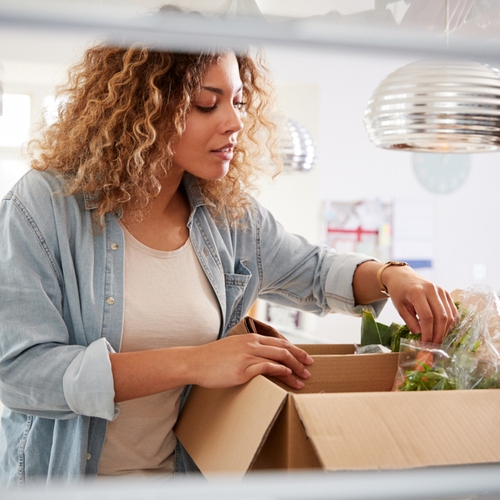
(432, 314)
(443, 295)
(425, 322)
(267, 368)
(426, 318)
(456, 314)
(411, 321)
(284, 357)
(409, 315)
(297, 352)
(279, 371)
(442, 318)
(451, 310)
(292, 381)
(300, 354)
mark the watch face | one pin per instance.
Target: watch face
(441, 173)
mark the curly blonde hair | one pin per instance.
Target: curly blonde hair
(123, 111)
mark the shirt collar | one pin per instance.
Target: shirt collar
(91, 200)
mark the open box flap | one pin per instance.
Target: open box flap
(402, 430)
(223, 429)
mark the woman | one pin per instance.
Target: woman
(132, 245)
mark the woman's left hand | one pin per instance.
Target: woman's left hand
(425, 307)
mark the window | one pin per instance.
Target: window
(15, 120)
(10, 172)
(15, 125)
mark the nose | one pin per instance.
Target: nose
(231, 122)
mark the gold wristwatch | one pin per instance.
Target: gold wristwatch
(383, 288)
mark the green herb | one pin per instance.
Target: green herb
(465, 339)
(430, 379)
(492, 382)
(476, 345)
(403, 332)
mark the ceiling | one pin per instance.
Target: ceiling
(49, 31)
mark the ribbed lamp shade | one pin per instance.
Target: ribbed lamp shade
(437, 107)
(298, 152)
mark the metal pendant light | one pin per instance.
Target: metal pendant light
(297, 150)
(437, 106)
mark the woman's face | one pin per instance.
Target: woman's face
(212, 126)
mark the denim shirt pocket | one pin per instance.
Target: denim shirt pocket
(236, 284)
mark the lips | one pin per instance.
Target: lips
(225, 153)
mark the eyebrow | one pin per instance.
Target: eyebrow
(219, 91)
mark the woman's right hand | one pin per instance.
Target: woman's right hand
(237, 359)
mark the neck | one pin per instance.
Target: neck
(168, 201)
(169, 197)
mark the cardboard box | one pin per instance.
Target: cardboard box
(345, 418)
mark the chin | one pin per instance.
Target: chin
(216, 174)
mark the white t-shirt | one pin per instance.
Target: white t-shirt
(169, 302)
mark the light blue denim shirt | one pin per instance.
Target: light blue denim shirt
(61, 312)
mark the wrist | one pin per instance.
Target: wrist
(188, 365)
(383, 276)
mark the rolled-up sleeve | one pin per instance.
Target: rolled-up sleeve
(339, 290)
(309, 277)
(88, 382)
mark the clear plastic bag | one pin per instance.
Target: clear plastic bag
(422, 367)
(473, 344)
(371, 349)
(469, 356)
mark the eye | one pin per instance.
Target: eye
(205, 109)
(240, 105)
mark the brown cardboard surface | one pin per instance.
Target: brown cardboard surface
(345, 418)
(323, 349)
(224, 428)
(401, 430)
(355, 373)
(287, 446)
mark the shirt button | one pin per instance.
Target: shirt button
(110, 301)
(204, 252)
(114, 246)
(89, 456)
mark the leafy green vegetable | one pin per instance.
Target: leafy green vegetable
(403, 332)
(388, 336)
(492, 382)
(391, 331)
(430, 379)
(376, 333)
(369, 330)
